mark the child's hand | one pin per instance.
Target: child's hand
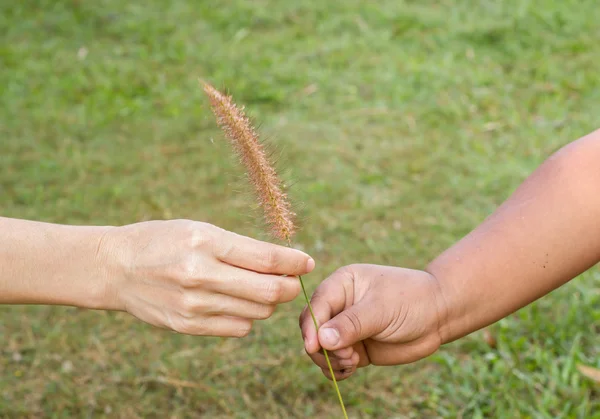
(544, 235)
(370, 314)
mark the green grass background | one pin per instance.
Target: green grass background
(401, 125)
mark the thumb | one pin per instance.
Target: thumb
(357, 323)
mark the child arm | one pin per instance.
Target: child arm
(545, 234)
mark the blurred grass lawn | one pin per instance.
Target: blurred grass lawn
(402, 125)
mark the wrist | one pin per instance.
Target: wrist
(464, 308)
(92, 270)
(110, 268)
(447, 306)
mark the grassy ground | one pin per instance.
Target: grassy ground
(402, 125)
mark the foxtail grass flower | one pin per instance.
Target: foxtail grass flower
(260, 172)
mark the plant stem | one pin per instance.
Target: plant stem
(335, 384)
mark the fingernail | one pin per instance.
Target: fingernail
(310, 265)
(330, 336)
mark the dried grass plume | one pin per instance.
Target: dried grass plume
(263, 177)
(260, 171)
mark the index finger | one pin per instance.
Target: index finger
(255, 255)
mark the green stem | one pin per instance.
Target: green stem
(335, 384)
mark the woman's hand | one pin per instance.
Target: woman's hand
(196, 278)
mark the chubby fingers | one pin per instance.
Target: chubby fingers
(342, 367)
(338, 362)
(351, 357)
(347, 310)
(330, 298)
(255, 255)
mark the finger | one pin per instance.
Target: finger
(260, 256)
(223, 326)
(220, 304)
(360, 355)
(343, 353)
(339, 375)
(330, 298)
(336, 363)
(252, 286)
(395, 354)
(352, 325)
(309, 335)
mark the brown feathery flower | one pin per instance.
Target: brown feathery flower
(263, 177)
(251, 152)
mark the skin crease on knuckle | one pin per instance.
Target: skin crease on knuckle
(295, 287)
(355, 322)
(187, 306)
(244, 330)
(202, 235)
(274, 292)
(194, 303)
(191, 326)
(200, 270)
(270, 260)
(345, 276)
(266, 312)
(224, 244)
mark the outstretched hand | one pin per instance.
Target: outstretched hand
(198, 279)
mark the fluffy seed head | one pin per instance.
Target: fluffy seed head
(260, 171)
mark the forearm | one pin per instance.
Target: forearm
(43, 263)
(547, 233)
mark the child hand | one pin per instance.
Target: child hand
(370, 314)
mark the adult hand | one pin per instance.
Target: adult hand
(198, 279)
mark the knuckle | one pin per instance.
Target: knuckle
(244, 330)
(186, 305)
(225, 249)
(266, 312)
(270, 260)
(343, 278)
(299, 264)
(274, 292)
(296, 288)
(224, 244)
(188, 327)
(342, 274)
(344, 270)
(187, 271)
(199, 235)
(349, 271)
(353, 323)
(190, 305)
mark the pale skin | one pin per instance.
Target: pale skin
(187, 276)
(545, 234)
